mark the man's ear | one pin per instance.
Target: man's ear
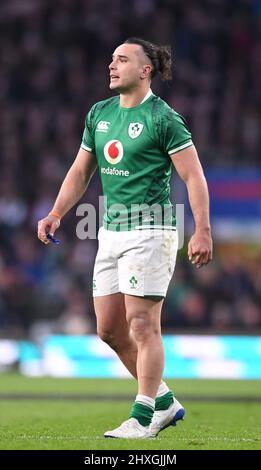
(146, 70)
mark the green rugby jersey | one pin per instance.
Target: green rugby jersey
(133, 148)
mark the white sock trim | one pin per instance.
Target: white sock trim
(144, 400)
(162, 390)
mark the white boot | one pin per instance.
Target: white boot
(165, 418)
(130, 429)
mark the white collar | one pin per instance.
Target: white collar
(147, 96)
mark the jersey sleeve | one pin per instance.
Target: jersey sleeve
(88, 133)
(175, 135)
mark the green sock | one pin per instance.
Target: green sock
(142, 413)
(164, 402)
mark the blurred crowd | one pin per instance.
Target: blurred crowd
(54, 59)
(225, 296)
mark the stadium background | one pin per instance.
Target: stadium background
(53, 67)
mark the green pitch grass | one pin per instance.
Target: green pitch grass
(47, 413)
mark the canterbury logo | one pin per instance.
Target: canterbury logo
(103, 126)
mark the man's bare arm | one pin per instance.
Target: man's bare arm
(73, 187)
(190, 170)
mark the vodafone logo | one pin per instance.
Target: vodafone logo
(113, 151)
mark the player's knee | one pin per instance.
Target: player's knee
(142, 327)
(109, 337)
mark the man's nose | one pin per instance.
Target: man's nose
(112, 66)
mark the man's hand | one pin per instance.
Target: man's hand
(200, 248)
(47, 225)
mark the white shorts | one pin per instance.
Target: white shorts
(136, 262)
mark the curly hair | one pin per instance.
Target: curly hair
(160, 57)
